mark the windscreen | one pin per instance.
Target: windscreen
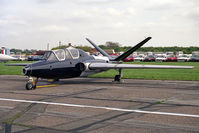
(46, 55)
(52, 57)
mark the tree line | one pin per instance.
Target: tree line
(118, 48)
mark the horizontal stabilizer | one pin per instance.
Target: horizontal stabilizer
(104, 66)
(133, 49)
(18, 64)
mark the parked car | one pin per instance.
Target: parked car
(139, 58)
(183, 58)
(114, 55)
(149, 58)
(194, 58)
(171, 58)
(161, 58)
(34, 58)
(129, 59)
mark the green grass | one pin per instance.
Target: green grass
(12, 70)
(157, 74)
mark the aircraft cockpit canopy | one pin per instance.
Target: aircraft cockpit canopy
(74, 52)
(52, 57)
(61, 54)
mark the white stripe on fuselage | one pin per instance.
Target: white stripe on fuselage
(101, 107)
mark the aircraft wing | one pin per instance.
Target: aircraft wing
(106, 66)
(18, 64)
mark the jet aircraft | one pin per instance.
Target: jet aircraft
(5, 56)
(72, 62)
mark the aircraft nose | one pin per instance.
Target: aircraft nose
(27, 70)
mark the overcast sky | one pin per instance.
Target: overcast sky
(32, 24)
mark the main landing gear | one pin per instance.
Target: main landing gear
(118, 77)
(32, 83)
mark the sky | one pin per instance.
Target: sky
(32, 24)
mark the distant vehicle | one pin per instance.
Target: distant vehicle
(195, 58)
(169, 53)
(171, 58)
(149, 58)
(161, 58)
(195, 53)
(129, 59)
(183, 58)
(139, 58)
(114, 55)
(34, 58)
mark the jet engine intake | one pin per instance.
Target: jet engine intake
(27, 70)
(80, 66)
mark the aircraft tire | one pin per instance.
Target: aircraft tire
(30, 86)
(117, 78)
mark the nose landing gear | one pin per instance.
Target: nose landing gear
(32, 83)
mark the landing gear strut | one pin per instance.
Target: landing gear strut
(118, 77)
(31, 84)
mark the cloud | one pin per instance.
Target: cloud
(12, 20)
(38, 22)
(54, 28)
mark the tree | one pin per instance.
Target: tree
(85, 48)
(112, 45)
(60, 47)
(16, 50)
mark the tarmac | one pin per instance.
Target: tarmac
(98, 105)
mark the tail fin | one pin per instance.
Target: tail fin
(99, 49)
(130, 51)
(5, 51)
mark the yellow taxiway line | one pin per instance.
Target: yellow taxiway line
(42, 86)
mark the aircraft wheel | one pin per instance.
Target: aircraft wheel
(30, 86)
(117, 78)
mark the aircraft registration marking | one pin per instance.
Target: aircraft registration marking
(101, 107)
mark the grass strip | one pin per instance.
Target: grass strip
(150, 74)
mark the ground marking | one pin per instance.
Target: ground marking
(42, 86)
(101, 107)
